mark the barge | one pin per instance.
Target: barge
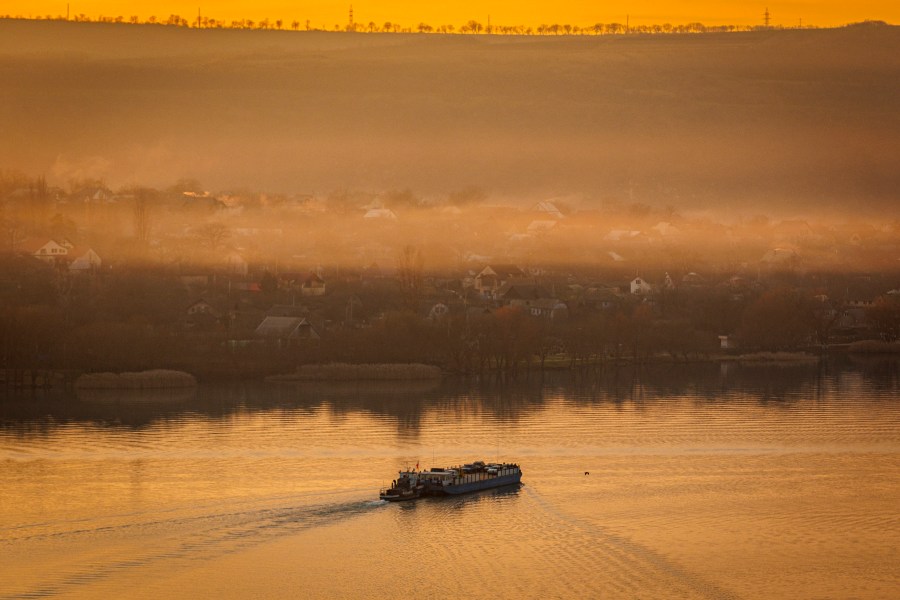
(451, 481)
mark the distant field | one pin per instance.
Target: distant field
(755, 120)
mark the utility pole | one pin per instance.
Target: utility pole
(350, 22)
(767, 17)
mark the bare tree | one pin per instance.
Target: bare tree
(410, 265)
(212, 235)
(143, 198)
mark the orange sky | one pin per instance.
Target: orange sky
(327, 13)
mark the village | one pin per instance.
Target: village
(249, 284)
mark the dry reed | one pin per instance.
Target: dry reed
(370, 372)
(155, 379)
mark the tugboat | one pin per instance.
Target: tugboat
(407, 486)
(469, 477)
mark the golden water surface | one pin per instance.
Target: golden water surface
(718, 483)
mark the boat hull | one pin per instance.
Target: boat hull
(398, 498)
(411, 494)
(474, 486)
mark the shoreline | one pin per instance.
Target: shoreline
(51, 378)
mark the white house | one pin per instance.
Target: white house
(640, 287)
(49, 251)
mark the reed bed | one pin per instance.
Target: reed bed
(367, 372)
(773, 357)
(874, 347)
(155, 379)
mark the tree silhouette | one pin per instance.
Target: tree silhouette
(410, 265)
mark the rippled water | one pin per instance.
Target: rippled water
(704, 482)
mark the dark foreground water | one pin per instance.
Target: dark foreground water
(705, 482)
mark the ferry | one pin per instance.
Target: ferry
(470, 477)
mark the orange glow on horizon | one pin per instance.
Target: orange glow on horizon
(330, 13)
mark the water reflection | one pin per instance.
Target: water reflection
(408, 403)
(141, 396)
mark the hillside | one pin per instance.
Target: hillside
(759, 120)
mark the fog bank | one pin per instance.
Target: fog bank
(762, 120)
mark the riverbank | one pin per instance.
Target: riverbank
(365, 372)
(251, 371)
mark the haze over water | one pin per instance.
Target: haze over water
(705, 482)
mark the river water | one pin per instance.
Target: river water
(708, 481)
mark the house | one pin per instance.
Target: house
(63, 253)
(492, 277)
(665, 229)
(693, 279)
(201, 307)
(541, 226)
(201, 315)
(235, 264)
(781, 257)
(520, 290)
(602, 297)
(285, 331)
(548, 209)
(48, 251)
(640, 287)
(438, 312)
(93, 194)
(83, 259)
(313, 285)
(380, 214)
(624, 235)
(545, 308)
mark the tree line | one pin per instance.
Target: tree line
(470, 26)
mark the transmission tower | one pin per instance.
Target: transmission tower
(350, 27)
(767, 17)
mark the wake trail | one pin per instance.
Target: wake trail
(207, 537)
(140, 519)
(638, 564)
